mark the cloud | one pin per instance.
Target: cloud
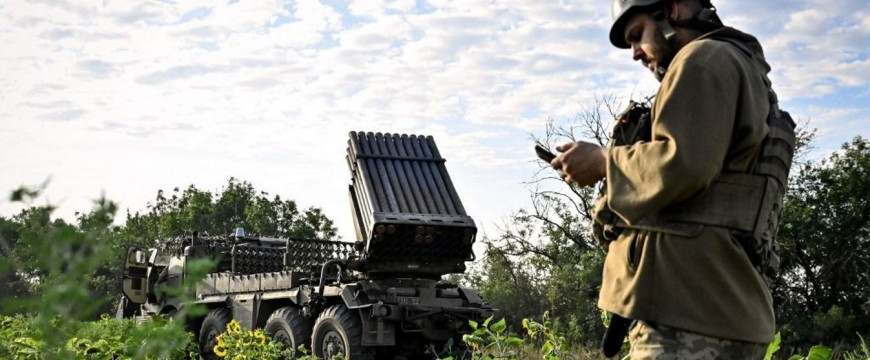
(169, 80)
(179, 72)
(68, 6)
(814, 52)
(49, 104)
(148, 13)
(260, 83)
(312, 22)
(195, 14)
(44, 89)
(56, 34)
(97, 68)
(64, 115)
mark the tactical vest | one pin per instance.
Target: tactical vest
(749, 204)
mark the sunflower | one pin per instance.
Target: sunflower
(220, 350)
(233, 327)
(261, 339)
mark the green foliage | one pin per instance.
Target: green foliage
(553, 345)
(492, 341)
(862, 354)
(39, 247)
(68, 273)
(59, 262)
(819, 352)
(237, 205)
(545, 260)
(773, 347)
(112, 338)
(821, 294)
(21, 337)
(448, 352)
(63, 263)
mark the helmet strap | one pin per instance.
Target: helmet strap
(664, 26)
(663, 23)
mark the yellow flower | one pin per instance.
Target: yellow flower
(240, 357)
(220, 350)
(220, 340)
(233, 327)
(261, 338)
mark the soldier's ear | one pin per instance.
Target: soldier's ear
(674, 11)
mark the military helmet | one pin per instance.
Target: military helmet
(622, 11)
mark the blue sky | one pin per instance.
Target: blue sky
(128, 97)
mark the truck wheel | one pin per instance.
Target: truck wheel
(339, 331)
(214, 323)
(288, 327)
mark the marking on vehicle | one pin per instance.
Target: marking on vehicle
(409, 300)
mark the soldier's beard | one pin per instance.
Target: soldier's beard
(665, 50)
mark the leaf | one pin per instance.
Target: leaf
(773, 347)
(514, 341)
(473, 324)
(819, 352)
(472, 339)
(547, 349)
(499, 326)
(487, 321)
(796, 357)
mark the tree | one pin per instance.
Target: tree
(822, 292)
(237, 205)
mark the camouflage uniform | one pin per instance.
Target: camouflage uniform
(660, 342)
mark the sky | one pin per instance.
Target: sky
(125, 97)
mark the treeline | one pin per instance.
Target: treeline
(30, 261)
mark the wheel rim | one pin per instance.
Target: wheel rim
(332, 344)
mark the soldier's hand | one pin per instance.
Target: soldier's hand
(581, 163)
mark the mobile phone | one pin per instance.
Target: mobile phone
(544, 154)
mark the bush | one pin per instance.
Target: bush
(21, 338)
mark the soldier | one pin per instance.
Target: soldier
(683, 259)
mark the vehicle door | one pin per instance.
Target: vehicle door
(135, 283)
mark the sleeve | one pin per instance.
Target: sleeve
(693, 119)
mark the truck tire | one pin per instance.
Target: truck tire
(288, 327)
(338, 330)
(214, 323)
